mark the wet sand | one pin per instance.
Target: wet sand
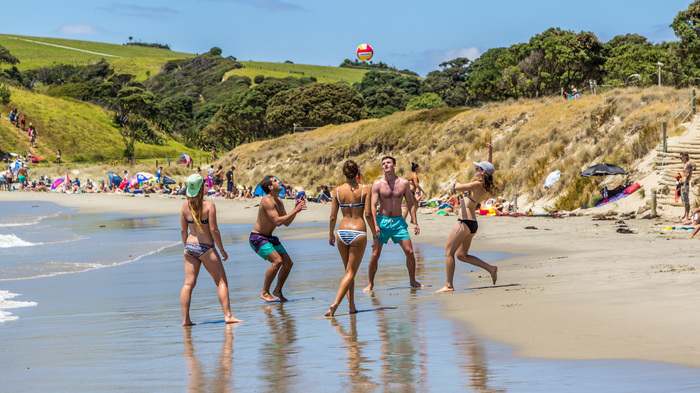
(578, 291)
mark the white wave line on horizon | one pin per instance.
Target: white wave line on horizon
(61, 46)
(24, 224)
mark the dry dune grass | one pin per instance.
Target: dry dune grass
(531, 138)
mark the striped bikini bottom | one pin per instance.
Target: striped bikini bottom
(197, 249)
(347, 236)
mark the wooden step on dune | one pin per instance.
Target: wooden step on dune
(668, 163)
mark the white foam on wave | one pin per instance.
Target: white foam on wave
(5, 304)
(50, 269)
(11, 240)
(35, 221)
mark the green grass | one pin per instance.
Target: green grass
(283, 70)
(84, 132)
(36, 55)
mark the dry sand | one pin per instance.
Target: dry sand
(576, 290)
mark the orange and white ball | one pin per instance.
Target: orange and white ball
(364, 52)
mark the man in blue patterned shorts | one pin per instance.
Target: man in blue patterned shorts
(272, 214)
(388, 193)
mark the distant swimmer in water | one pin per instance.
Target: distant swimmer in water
(465, 228)
(198, 217)
(353, 200)
(387, 194)
(272, 214)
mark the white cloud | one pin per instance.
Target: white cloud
(438, 57)
(430, 60)
(78, 29)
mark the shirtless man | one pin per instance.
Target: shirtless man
(685, 189)
(388, 221)
(22, 176)
(272, 214)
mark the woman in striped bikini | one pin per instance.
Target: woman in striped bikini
(198, 217)
(352, 199)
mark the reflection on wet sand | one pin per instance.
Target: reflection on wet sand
(219, 380)
(474, 362)
(397, 352)
(277, 348)
(359, 379)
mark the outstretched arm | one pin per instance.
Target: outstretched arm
(488, 146)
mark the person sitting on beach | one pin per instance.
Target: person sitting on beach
(198, 217)
(448, 206)
(465, 228)
(387, 194)
(249, 192)
(103, 188)
(272, 214)
(89, 186)
(40, 187)
(352, 199)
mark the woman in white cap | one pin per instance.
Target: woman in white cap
(198, 217)
(464, 230)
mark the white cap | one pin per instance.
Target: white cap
(486, 166)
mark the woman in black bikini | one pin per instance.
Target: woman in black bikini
(464, 230)
(352, 231)
(199, 217)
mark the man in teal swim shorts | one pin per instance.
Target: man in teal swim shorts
(388, 193)
(272, 214)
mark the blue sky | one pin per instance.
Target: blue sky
(418, 35)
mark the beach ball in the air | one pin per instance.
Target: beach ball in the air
(364, 52)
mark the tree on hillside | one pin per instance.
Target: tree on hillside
(7, 57)
(385, 93)
(134, 107)
(314, 105)
(425, 101)
(484, 75)
(448, 83)
(631, 54)
(215, 51)
(686, 26)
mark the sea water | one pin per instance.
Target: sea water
(92, 304)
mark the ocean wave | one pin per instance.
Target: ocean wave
(50, 269)
(35, 220)
(5, 304)
(7, 241)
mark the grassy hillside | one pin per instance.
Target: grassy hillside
(531, 138)
(283, 70)
(36, 52)
(83, 131)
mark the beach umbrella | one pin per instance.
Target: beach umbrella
(552, 178)
(57, 183)
(604, 170)
(140, 177)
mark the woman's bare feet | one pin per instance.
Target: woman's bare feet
(331, 310)
(416, 284)
(279, 295)
(187, 322)
(267, 297)
(232, 319)
(368, 288)
(446, 288)
(353, 310)
(494, 274)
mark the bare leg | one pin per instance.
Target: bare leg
(282, 276)
(275, 265)
(212, 262)
(352, 257)
(192, 266)
(407, 247)
(373, 264)
(462, 255)
(457, 236)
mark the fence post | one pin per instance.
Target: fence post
(200, 158)
(156, 164)
(692, 100)
(663, 138)
(653, 203)
(515, 203)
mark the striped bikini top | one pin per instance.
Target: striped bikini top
(361, 204)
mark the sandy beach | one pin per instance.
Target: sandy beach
(577, 288)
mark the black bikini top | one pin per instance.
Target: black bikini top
(204, 221)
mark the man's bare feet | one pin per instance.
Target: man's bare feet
(416, 284)
(331, 310)
(232, 319)
(279, 295)
(268, 298)
(494, 274)
(188, 323)
(368, 288)
(446, 288)
(353, 310)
